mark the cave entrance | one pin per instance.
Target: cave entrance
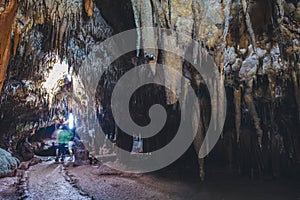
(58, 134)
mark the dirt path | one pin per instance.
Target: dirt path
(8, 189)
(103, 183)
(46, 181)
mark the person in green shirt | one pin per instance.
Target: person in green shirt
(63, 137)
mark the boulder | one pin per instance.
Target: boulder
(24, 150)
(8, 163)
(81, 154)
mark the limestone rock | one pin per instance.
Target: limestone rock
(249, 67)
(24, 151)
(237, 64)
(81, 154)
(289, 8)
(8, 163)
(230, 55)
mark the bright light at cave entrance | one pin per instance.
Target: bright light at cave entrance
(71, 121)
(58, 71)
(69, 77)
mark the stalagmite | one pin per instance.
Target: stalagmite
(237, 106)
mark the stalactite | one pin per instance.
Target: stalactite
(137, 20)
(200, 136)
(68, 39)
(214, 104)
(159, 13)
(280, 6)
(276, 21)
(196, 31)
(203, 127)
(237, 104)
(184, 101)
(17, 36)
(62, 31)
(202, 170)
(148, 36)
(57, 36)
(274, 136)
(227, 18)
(221, 102)
(249, 24)
(297, 92)
(195, 53)
(251, 106)
(52, 35)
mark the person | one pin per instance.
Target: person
(55, 143)
(63, 138)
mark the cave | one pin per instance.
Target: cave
(149, 99)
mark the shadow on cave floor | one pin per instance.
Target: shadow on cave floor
(224, 184)
(62, 181)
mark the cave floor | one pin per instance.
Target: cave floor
(48, 180)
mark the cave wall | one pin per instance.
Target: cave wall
(254, 44)
(44, 33)
(7, 12)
